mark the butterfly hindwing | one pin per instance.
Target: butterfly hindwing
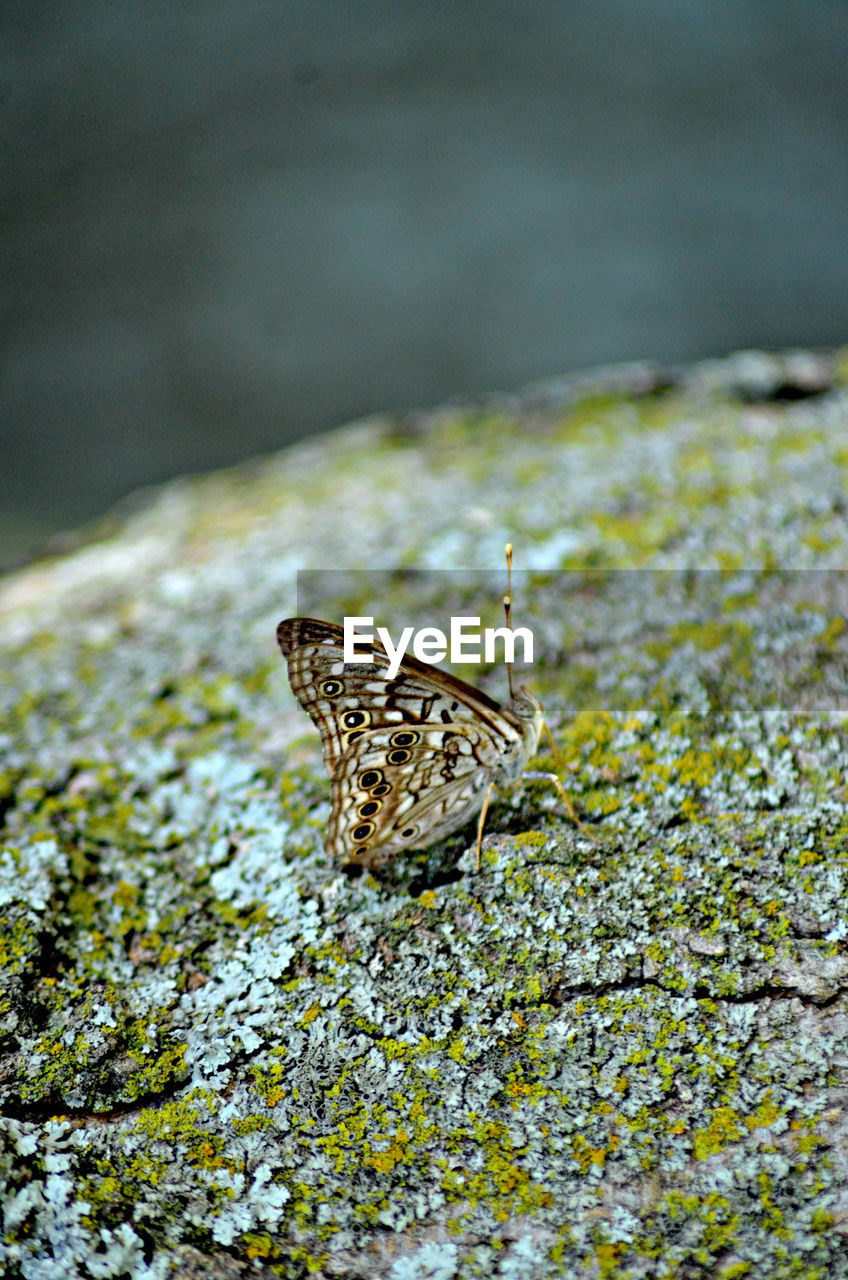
(408, 787)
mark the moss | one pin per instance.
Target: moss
(531, 840)
(618, 1043)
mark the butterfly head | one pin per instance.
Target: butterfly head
(525, 708)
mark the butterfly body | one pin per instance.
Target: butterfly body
(411, 758)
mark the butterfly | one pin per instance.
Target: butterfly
(411, 758)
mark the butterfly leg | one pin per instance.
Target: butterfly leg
(563, 795)
(482, 821)
(554, 778)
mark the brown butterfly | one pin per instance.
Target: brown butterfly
(411, 758)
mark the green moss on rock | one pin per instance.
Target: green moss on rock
(617, 1049)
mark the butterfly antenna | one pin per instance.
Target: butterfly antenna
(508, 609)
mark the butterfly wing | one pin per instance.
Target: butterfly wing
(388, 798)
(409, 757)
(345, 700)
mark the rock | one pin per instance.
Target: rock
(617, 1049)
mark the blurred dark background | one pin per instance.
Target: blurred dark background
(227, 224)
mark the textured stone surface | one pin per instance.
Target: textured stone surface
(614, 1051)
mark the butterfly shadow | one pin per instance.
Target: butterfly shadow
(440, 863)
(420, 870)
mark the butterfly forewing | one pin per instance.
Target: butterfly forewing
(344, 700)
(409, 757)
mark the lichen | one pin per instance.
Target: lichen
(618, 1049)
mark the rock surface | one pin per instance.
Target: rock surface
(619, 1049)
